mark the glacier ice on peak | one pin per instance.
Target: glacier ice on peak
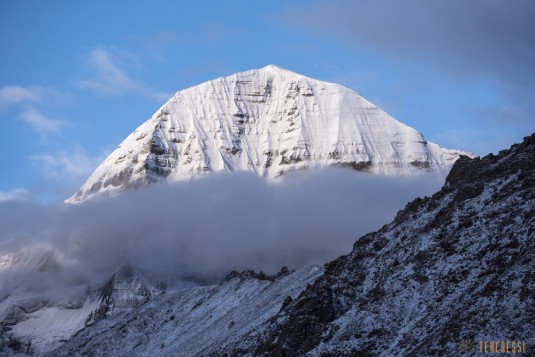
(269, 121)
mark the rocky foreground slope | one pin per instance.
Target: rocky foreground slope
(452, 269)
(267, 121)
(194, 321)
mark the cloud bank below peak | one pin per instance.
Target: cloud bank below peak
(205, 228)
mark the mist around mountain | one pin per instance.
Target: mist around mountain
(452, 273)
(57, 263)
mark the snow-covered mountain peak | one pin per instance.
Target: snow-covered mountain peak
(268, 121)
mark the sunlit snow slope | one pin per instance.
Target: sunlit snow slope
(268, 121)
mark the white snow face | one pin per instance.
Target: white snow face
(268, 121)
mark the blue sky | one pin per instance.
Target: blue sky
(77, 77)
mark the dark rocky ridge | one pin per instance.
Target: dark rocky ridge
(454, 267)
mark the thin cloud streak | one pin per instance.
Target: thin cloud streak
(40, 123)
(16, 194)
(67, 166)
(16, 94)
(110, 76)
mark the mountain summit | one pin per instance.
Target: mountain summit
(269, 121)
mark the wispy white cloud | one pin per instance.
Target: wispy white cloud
(17, 94)
(40, 123)
(67, 166)
(14, 194)
(111, 71)
(110, 76)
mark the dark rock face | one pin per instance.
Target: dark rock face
(451, 270)
(250, 274)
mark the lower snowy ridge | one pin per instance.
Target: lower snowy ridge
(36, 323)
(193, 321)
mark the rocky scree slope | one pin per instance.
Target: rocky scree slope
(455, 266)
(36, 323)
(268, 121)
(194, 321)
